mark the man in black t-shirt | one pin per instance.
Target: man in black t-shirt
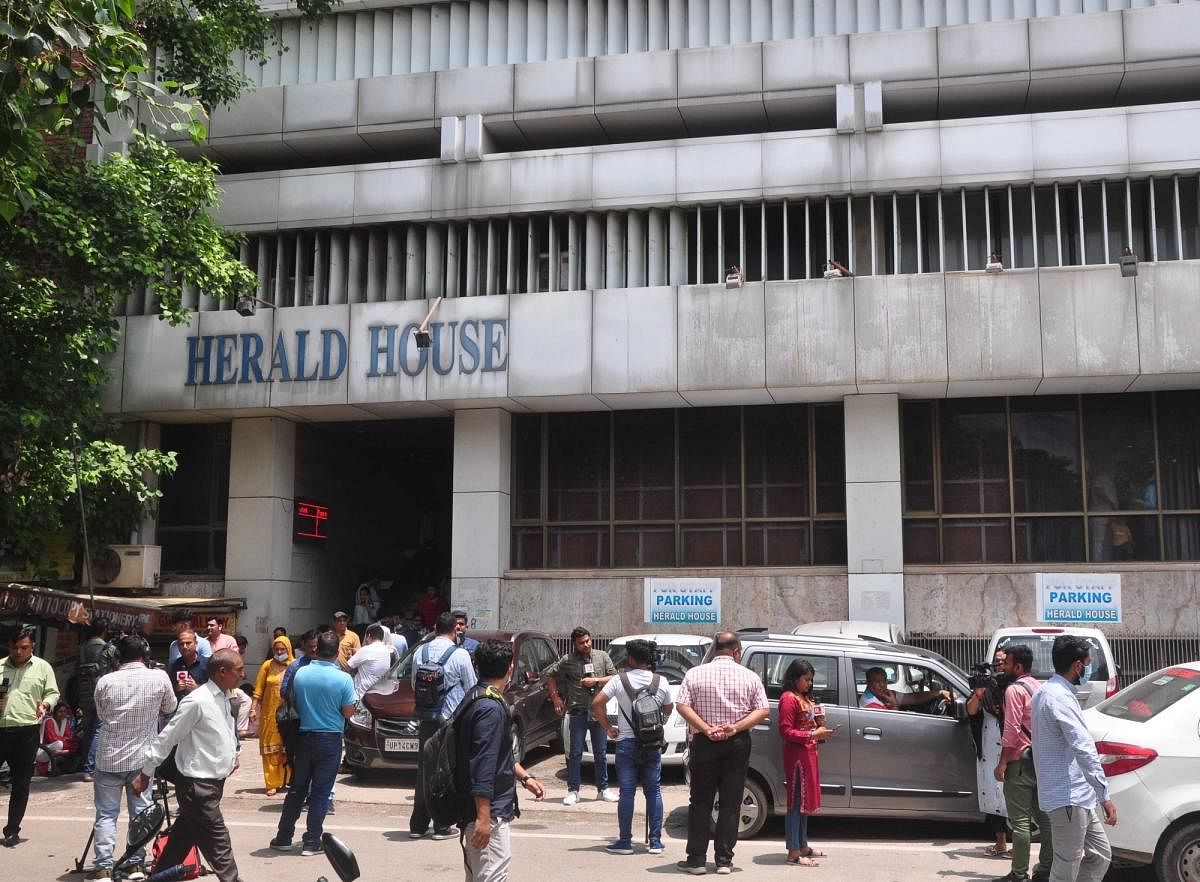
(190, 669)
(492, 774)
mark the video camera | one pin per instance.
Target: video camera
(985, 676)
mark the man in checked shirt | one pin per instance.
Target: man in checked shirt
(128, 702)
(721, 702)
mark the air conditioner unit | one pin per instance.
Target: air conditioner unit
(127, 566)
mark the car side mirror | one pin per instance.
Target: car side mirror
(960, 710)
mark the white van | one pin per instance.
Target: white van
(1040, 639)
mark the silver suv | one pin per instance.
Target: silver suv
(917, 763)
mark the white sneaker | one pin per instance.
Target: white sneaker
(571, 798)
(608, 795)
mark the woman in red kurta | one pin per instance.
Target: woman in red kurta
(801, 731)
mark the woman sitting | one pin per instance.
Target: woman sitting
(59, 752)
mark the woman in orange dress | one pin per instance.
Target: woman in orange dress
(801, 731)
(262, 712)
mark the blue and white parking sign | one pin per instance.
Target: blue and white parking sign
(683, 601)
(1079, 598)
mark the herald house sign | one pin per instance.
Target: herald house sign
(317, 355)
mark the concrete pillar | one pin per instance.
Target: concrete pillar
(393, 284)
(576, 28)
(381, 43)
(401, 41)
(614, 251)
(535, 30)
(453, 283)
(471, 289)
(477, 41)
(497, 33)
(460, 35)
(480, 546)
(517, 31)
(618, 28)
(556, 29)
(593, 261)
(337, 267)
(258, 545)
(635, 250)
(874, 530)
(678, 247)
(435, 262)
(573, 253)
(326, 30)
(414, 264)
(320, 275)
(355, 292)
(364, 44)
(697, 22)
(343, 59)
(596, 34)
(439, 36)
(421, 36)
(656, 248)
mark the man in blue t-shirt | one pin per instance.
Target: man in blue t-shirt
(323, 695)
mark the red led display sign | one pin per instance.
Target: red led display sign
(312, 521)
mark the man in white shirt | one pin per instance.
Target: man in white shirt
(634, 765)
(128, 702)
(203, 730)
(371, 662)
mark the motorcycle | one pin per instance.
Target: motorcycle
(146, 824)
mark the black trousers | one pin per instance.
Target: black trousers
(718, 768)
(419, 822)
(18, 748)
(201, 824)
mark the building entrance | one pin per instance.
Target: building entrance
(386, 490)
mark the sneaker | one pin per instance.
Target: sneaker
(135, 873)
(88, 776)
(11, 840)
(1040, 876)
(724, 869)
(444, 833)
(99, 873)
(281, 844)
(310, 850)
(689, 867)
(607, 794)
(655, 849)
(1012, 877)
(413, 834)
(571, 798)
(619, 847)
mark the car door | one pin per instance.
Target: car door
(771, 665)
(911, 760)
(542, 720)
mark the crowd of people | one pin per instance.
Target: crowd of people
(186, 723)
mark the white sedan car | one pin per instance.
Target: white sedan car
(1148, 738)
(677, 654)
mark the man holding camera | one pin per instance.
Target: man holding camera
(1015, 768)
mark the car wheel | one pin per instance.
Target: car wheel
(1178, 859)
(518, 743)
(752, 816)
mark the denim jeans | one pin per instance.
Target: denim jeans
(317, 759)
(581, 725)
(795, 825)
(630, 773)
(108, 788)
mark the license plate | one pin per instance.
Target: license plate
(401, 745)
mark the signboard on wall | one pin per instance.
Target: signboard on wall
(311, 521)
(1079, 598)
(683, 601)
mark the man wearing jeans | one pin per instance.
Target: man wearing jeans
(128, 702)
(635, 765)
(1015, 769)
(583, 670)
(721, 702)
(1072, 787)
(323, 695)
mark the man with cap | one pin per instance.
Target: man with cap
(348, 642)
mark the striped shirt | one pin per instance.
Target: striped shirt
(1064, 754)
(722, 691)
(128, 702)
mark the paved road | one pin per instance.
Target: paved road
(550, 842)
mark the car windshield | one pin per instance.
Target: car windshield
(1041, 644)
(1151, 695)
(673, 661)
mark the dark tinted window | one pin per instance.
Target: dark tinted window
(1152, 695)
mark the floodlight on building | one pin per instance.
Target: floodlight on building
(836, 270)
(247, 304)
(1128, 263)
(423, 337)
(994, 264)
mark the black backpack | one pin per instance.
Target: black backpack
(646, 719)
(443, 771)
(429, 685)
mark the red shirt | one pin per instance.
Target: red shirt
(430, 607)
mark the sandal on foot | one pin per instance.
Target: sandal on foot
(813, 853)
(272, 792)
(803, 861)
(997, 852)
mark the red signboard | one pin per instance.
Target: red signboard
(312, 521)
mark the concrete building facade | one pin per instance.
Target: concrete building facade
(825, 299)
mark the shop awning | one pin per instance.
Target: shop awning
(149, 615)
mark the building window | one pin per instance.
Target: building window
(1053, 479)
(655, 489)
(195, 504)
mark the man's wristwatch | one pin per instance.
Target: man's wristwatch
(526, 779)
